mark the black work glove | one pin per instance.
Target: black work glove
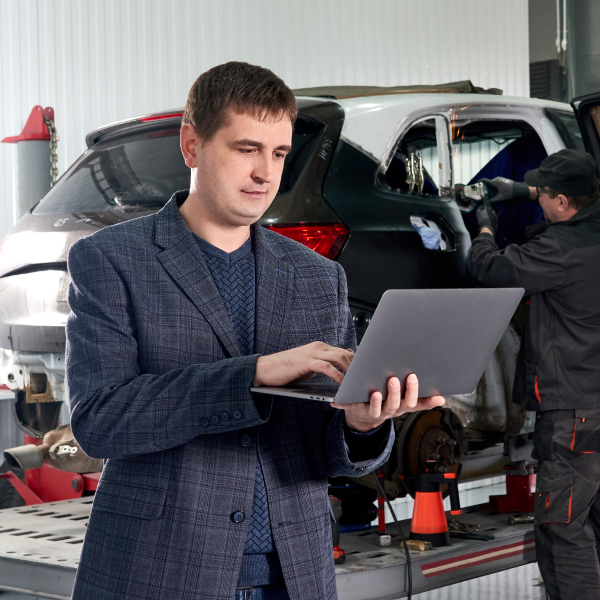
(486, 216)
(506, 189)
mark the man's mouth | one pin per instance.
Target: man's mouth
(255, 193)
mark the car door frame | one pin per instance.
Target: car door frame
(454, 225)
(590, 131)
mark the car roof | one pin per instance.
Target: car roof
(340, 92)
(373, 115)
(371, 121)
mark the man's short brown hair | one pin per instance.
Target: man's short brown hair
(240, 88)
(592, 194)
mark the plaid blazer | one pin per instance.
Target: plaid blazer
(158, 387)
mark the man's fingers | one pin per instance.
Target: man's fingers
(431, 402)
(325, 367)
(411, 396)
(392, 402)
(422, 404)
(336, 356)
(302, 363)
(375, 402)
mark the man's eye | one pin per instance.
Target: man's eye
(280, 155)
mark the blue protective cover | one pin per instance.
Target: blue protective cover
(512, 162)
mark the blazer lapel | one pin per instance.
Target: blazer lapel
(184, 262)
(274, 290)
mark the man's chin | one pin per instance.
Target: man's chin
(246, 219)
(249, 214)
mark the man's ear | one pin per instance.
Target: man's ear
(563, 203)
(188, 141)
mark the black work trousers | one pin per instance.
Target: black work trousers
(567, 503)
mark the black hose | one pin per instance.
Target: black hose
(406, 551)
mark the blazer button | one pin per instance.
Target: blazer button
(238, 516)
(246, 439)
(224, 416)
(204, 422)
(237, 414)
(215, 420)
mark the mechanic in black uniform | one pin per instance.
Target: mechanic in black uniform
(559, 362)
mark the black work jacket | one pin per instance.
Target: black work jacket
(559, 266)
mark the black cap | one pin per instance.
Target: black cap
(569, 172)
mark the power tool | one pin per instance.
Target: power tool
(429, 518)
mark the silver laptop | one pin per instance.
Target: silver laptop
(445, 337)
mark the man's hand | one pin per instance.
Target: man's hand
(486, 217)
(302, 363)
(364, 416)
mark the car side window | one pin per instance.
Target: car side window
(494, 148)
(414, 167)
(486, 148)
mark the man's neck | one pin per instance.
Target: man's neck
(567, 215)
(226, 237)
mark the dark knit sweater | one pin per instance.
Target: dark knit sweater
(235, 277)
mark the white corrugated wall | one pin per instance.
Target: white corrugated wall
(98, 61)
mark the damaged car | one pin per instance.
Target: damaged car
(374, 181)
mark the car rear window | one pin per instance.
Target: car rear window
(141, 170)
(144, 170)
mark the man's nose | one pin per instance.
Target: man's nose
(263, 169)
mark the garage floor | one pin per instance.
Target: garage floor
(521, 583)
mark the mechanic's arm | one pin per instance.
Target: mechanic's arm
(501, 188)
(536, 266)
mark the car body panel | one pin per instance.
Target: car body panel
(388, 238)
(34, 311)
(374, 123)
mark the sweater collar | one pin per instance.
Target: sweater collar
(186, 264)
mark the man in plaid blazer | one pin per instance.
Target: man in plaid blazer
(162, 354)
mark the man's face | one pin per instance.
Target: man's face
(548, 205)
(236, 174)
(555, 209)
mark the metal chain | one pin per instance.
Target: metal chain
(53, 156)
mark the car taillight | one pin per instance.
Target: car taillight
(327, 240)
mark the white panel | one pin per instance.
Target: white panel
(98, 61)
(469, 159)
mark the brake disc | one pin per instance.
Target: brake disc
(433, 435)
